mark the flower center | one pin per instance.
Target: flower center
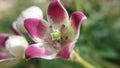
(56, 35)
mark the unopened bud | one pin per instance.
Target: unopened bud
(16, 45)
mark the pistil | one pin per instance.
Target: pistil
(56, 35)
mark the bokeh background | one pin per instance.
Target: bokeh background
(99, 40)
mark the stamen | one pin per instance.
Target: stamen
(65, 38)
(57, 45)
(48, 40)
(52, 28)
(62, 27)
(56, 35)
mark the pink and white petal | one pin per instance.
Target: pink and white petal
(20, 24)
(31, 12)
(56, 13)
(3, 39)
(36, 28)
(15, 29)
(76, 19)
(5, 55)
(38, 51)
(65, 52)
(6, 59)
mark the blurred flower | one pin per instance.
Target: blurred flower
(12, 47)
(55, 38)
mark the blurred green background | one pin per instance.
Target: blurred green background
(99, 40)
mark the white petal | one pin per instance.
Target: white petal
(16, 45)
(32, 12)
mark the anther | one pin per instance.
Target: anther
(52, 28)
(48, 40)
(65, 38)
(57, 45)
(62, 27)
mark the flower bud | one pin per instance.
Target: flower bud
(16, 45)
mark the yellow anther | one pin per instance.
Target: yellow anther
(56, 35)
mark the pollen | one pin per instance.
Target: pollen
(56, 35)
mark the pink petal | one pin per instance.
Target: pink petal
(4, 56)
(76, 19)
(6, 59)
(36, 51)
(65, 52)
(56, 12)
(15, 29)
(35, 27)
(3, 38)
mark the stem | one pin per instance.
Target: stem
(75, 57)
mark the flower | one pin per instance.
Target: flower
(55, 38)
(12, 47)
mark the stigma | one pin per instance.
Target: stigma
(56, 35)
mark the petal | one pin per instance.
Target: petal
(31, 12)
(76, 19)
(9, 62)
(5, 56)
(65, 52)
(36, 28)
(5, 59)
(3, 38)
(16, 45)
(15, 29)
(37, 51)
(2, 57)
(56, 12)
